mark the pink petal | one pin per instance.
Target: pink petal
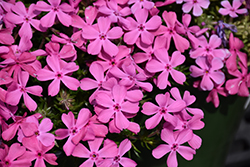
(147, 37)
(54, 87)
(153, 121)
(195, 142)
(121, 121)
(186, 152)
(162, 99)
(224, 11)
(162, 80)
(105, 115)
(71, 83)
(197, 11)
(61, 133)
(45, 125)
(214, 41)
(124, 147)
(104, 100)
(49, 19)
(218, 77)
(83, 117)
(114, 33)
(54, 3)
(206, 83)
(131, 36)
(81, 151)
(47, 139)
(149, 108)
(35, 90)
(64, 18)
(15, 151)
(181, 43)
(13, 97)
(130, 107)
(161, 150)
(89, 32)
(50, 158)
(172, 159)
(186, 7)
(88, 84)
(110, 47)
(154, 66)
(95, 47)
(124, 161)
(44, 75)
(153, 23)
(103, 24)
(29, 102)
(68, 119)
(178, 76)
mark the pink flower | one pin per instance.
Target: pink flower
(67, 52)
(95, 155)
(166, 106)
(240, 84)
(166, 65)
(100, 37)
(24, 17)
(55, 10)
(124, 147)
(213, 95)
(47, 139)
(209, 49)
(169, 32)
(28, 128)
(38, 152)
(235, 44)
(6, 37)
(10, 157)
(58, 70)
(141, 28)
(74, 129)
(139, 4)
(17, 90)
(116, 13)
(173, 146)
(116, 106)
(196, 5)
(209, 72)
(232, 10)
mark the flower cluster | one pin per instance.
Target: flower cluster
(110, 63)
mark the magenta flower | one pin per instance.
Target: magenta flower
(38, 152)
(213, 95)
(115, 13)
(139, 4)
(28, 128)
(188, 99)
(74, 129)
(24, 17)
(232, 11)
(169, 32)
(87, 83)
(17, 90)
(235, 44)
(240, 84)
(100, 37)
(58, 70)
(173, 146)
(116, 106)
(166, 65)
(55, 10)
(197, 6)
(47, 139)
(124, 147)
(166, 106)
(141, 28)
(209, 49)
(10, 157)
(67, 52)
(209, 71)
(94, 155)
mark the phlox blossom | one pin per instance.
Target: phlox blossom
(100, 38)
(166, 64)
(210, 72)
(174, 145)
(95, 155)
(58, 70)
(232, 10)
(18, 89)
(197, 6)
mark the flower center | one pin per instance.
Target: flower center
(94, 156)
(174, 147)
(39, 154)
(141, 27)
(168, 67)
(117, 158)
(7, 162)
(73, 130)
(163, 110)
(195, 1)
(102, 36)
(37, 133)
(55, 9)
(59, 75)
(117, 107)
(22, 89)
